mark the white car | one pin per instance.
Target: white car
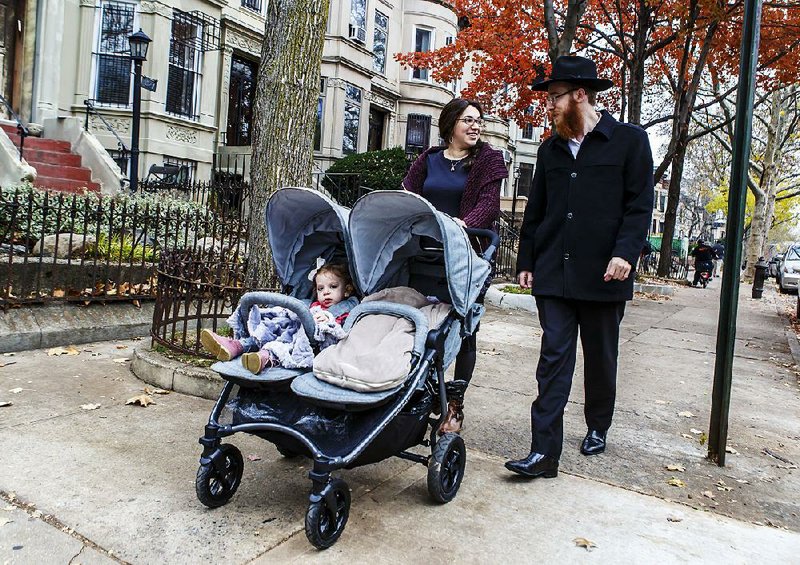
(789, 272)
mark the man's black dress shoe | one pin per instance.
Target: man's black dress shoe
(534, 465)
(594, 443)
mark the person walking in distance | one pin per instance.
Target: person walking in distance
(583, 229)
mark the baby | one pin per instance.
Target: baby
(275, 332)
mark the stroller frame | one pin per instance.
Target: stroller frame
(221, 465)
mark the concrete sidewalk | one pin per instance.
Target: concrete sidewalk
(116, 483)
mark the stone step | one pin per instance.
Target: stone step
(66, 185)
(38, 156)
(62, 172)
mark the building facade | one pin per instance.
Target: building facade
(200, 76)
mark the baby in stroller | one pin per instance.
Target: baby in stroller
(274, 336)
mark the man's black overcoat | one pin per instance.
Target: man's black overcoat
(583, 211)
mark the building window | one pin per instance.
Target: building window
(254, 5)
(527, 129)
(112, 61)
(187, 169)
(423, 39)
(352, 117)
(358, 20)
(525, 181)
(184, 77)
(418, 133)
(320, 110)
(379, 42)
(662, 202)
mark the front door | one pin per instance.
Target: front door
(240, 102)
(12, 15)
(377, 119)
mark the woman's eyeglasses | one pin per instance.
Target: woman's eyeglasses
(470, 121)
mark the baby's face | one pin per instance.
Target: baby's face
(330, 289)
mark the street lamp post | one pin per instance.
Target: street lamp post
(139, 42)
(514, 199)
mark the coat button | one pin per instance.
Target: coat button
(573, 175)
(566, 256)
(569, 215)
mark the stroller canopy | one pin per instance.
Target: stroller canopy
(385, 230)
(302, 225)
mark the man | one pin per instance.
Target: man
(719, 251)
(704, 256)
(583, 229)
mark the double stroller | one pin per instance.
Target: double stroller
(389, 239)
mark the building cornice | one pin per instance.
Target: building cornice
(350, 64)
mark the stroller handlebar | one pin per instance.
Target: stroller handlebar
(494, 241)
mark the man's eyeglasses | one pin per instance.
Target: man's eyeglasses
(553, 98)
(470, 121)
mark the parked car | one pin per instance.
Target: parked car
(775, 265)
(789, 272)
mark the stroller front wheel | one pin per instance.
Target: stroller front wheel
(327, 516)
(446, 467)
(218, 480)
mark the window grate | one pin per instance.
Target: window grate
(112, 58)
(418, 133)
(254, 5)
(184, 77)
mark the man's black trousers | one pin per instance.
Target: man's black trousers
(560, 320)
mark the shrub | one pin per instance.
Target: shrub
(379, 170)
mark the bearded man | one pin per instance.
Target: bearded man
(583, 229)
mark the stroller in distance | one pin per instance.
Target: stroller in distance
(393, 239)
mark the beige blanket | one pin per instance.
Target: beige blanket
(376, 354)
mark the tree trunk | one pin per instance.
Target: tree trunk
(671, 214)
(636, 63)
(284, 114)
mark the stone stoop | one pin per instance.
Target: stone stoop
(56, 166)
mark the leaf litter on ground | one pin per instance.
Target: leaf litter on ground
(142, 400)
(674, 467)
(676, 482)
(585, 543)
(148, 390)
(69, 350)
(90, 406)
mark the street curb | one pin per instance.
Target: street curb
(155, 369)
(497, 297)
(52, 325)
(662, 289)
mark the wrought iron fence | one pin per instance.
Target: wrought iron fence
(648, 265)
(86, 248)
(196, 291)
(506, 259)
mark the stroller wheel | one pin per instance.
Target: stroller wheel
(218, 480)
(446, 467)
(327, 517)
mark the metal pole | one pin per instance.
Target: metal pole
(137, 115)
(514, 200)
(726, 328)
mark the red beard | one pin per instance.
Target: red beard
(569, 124)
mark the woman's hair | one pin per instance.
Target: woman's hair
(339, 271)
(447, 124)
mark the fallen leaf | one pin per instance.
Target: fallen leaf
(743, 481)
(696, 431)
(122, 347)
(8, 354)
(7, 364)
(121, 360)
(58, 293)
(16, 390)
(142, 400)
(702, 439)
(492, 352)
(583, 542)
(148, 390)
(4, 521)
(679, 468)
(4, 403)
(674, 519)
(661, 401)
(723, 487)
(56, 351)
(686, 414)
(90, 406)
(72, 350)
(708, 494)
(254, 458)
(675, 482)
(729, 449)
(687, 436)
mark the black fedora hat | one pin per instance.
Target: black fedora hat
(575, 70)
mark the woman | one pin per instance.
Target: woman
(461, 178)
